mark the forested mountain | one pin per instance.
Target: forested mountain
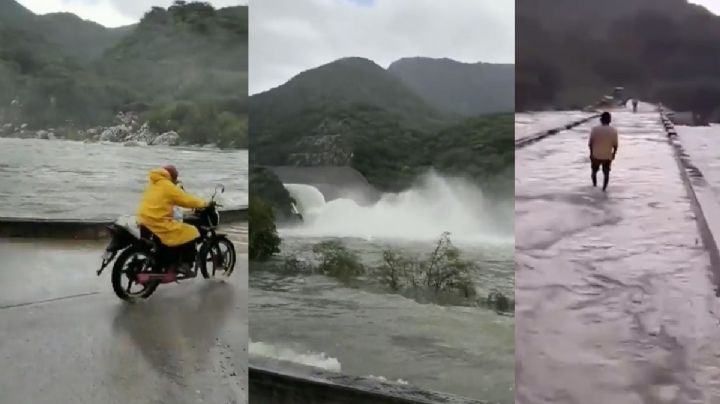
(68, 33)
(344, 82)
(352, 112)
(459, 88)
(183, 68)
(570, 52)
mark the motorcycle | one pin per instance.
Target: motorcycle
(145, 262)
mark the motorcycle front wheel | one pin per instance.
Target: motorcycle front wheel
(217, 257)
(128, 265)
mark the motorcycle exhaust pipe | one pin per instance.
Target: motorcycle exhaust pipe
(167, 277)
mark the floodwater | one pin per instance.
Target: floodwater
(361, 330)
(615, 302)
(65, 179)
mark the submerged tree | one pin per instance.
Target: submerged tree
(442, 271)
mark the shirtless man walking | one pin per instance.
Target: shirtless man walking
(603, 144)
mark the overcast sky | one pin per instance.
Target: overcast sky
(290, 36)
(712, 5)
(110, 13)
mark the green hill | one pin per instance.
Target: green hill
(183, 68)
(190, 52)
(68, 33)
(342, 83)
(189, 64)
(351, 112)
(459, 88)
(84, 40)
(10, 10)
(571, 52)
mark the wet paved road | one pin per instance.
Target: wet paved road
(66, 338)
(614, 297)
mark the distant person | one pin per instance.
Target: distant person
(161, 195)
(635, 104)
(603, 146)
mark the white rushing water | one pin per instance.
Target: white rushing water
(308, 198)
(434, 205)
(283, 353)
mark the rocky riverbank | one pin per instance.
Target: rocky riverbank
(127, 129)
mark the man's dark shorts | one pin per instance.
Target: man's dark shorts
(595, 164)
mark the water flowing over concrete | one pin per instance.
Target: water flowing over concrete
(308, 198)
(435, 205)
(332, 182)
(615, 299)
(66, 338)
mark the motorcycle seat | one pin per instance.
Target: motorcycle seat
(146, 234)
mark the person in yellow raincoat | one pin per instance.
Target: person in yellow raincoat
(161, 195)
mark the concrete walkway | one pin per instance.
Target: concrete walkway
(66, 338)
(615, 302)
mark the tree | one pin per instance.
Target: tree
(264, 240)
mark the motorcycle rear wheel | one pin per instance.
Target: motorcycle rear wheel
(144, 261)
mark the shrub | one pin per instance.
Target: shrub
(441, 272)
(337, 261)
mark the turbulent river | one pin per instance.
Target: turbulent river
(363, 330)
(64, 179)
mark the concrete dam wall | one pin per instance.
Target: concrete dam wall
(279, 382)
(82, 229)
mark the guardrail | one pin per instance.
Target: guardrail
(81, 229)
(528, 140)
(702, 199)
(279, 382)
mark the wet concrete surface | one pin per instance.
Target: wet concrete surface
(66, 338)
(280, 382)
(531, 123)
(615, 302)
(702, 143)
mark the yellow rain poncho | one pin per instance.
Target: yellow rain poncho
(156, 209)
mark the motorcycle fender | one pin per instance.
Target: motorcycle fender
(120, 239)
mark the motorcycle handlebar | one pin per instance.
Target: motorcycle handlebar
(211, 204)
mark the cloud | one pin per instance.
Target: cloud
(290, 36)
(110, 13)
(712, 5)
(99, 11)
(364, 3)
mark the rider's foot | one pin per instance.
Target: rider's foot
(185, 269)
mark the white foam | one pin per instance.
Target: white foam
(384, 379)
(315, 359)
(435, 205)
(309, 199)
